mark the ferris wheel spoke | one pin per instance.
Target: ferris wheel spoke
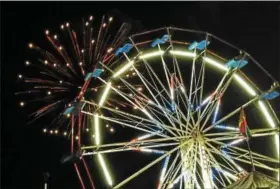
(182, 87)
(227, 128)
(165, 101)
(203, 75)
(119, 112)
(179, 110)
(218, 166)
(159, 91)
(119, 93)
(237, 137)
(157, 102)
(189, 159)
(195, 160)
(155, 112)
(198, 177)
(176, 63)
(217, 179)
(217, 91)
(192, 78)
(149, 68)
(241, 151)
(132, 143)
(149, 148)
(171, 80)
(246, 159)
(219, 94)
(237, 166)
(265, 132)
(210, 113)
(220, 179)
(148, 166)
(148, 125)
(224, 176)
(222, 134)
(143, 108)
(164, 179)
(204, 164)
(149, 130)
(227, 138)
(243, 156)
(232, 166)
(172, 180)
(231, 114)
(155, 75)
(258, 156)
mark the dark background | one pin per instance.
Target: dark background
(25, 152)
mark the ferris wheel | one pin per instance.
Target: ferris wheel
(179, 95)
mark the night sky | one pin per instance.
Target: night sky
(25, 152)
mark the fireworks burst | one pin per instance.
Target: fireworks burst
(57, 77)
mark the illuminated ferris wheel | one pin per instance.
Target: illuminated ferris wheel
(181, 96)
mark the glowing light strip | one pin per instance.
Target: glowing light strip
(271, 123)
(152, 54)
(151, 151)
(172, 94)
(245, 85)
(96, 126)
(183, 53)
(182, 89)
(204, 102)
(105, 170)
(267, 115)
(146, 136)
(215, 64)
(102, 100)
(226, 127)
(123, 69)
(234, 142)
(100, 157)
(147, 113)
(216, 112)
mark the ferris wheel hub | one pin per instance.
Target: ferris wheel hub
(197, 135)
